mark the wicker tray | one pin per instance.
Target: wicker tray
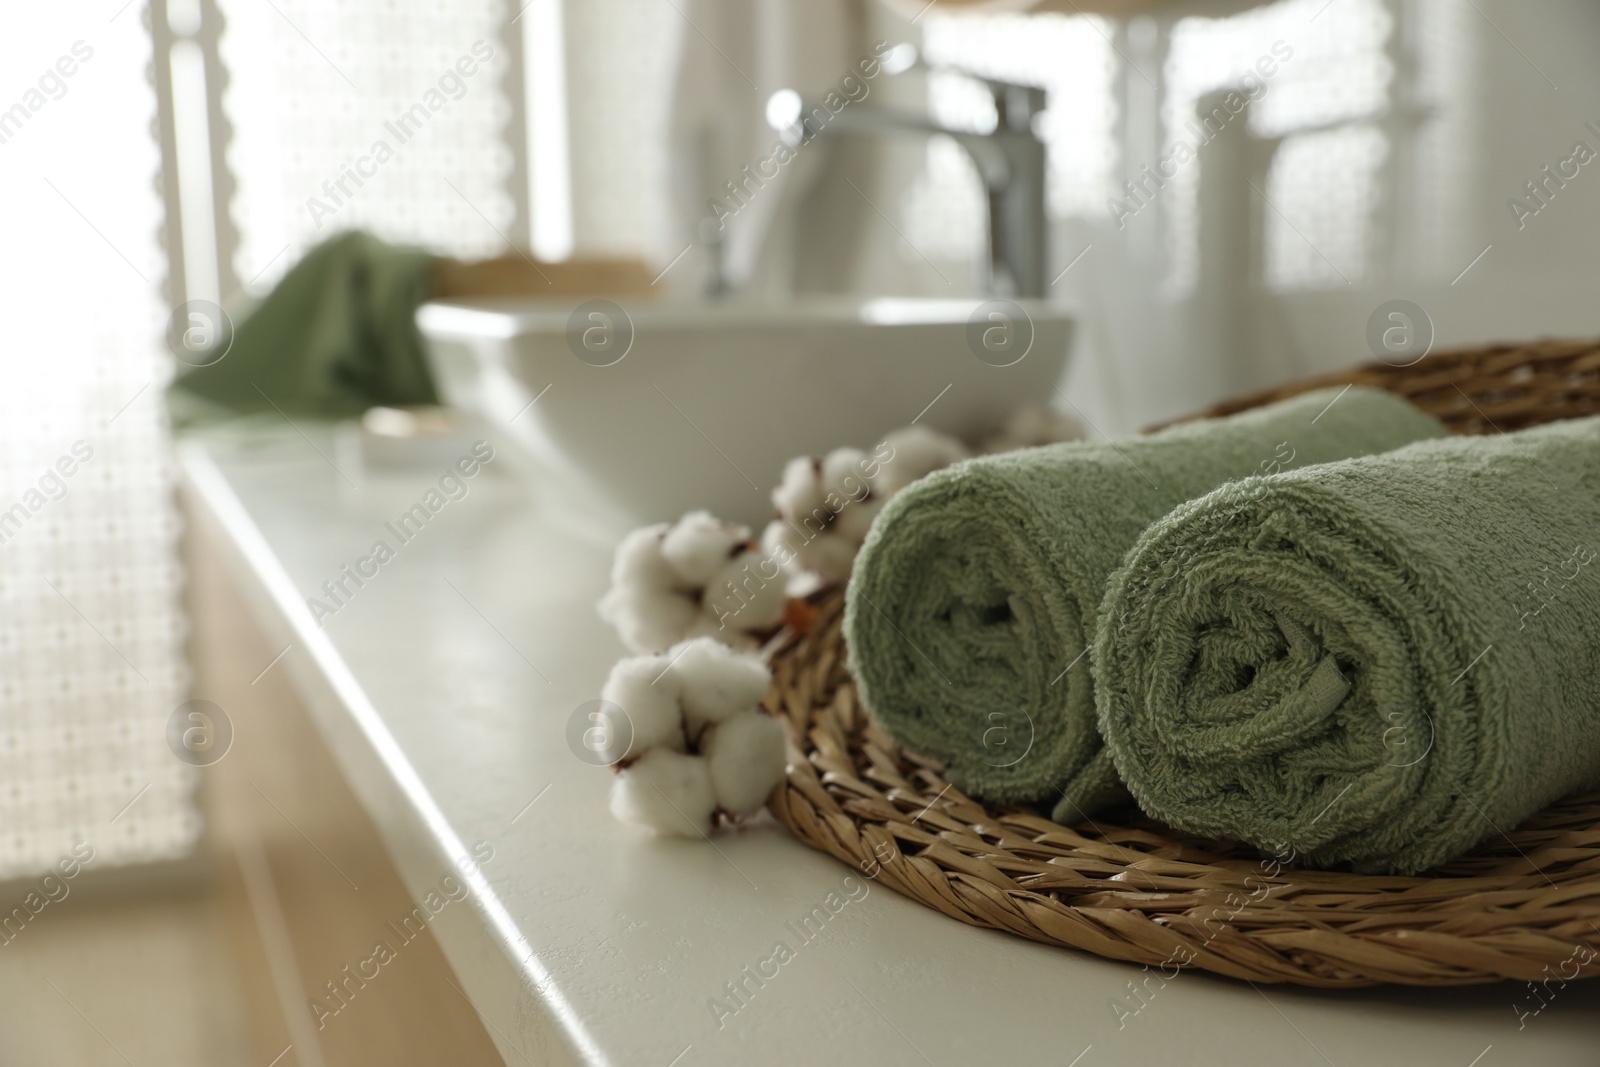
(1524, 905)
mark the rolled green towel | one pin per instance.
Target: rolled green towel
(973, 601)
(337, 335)
(1376, 662)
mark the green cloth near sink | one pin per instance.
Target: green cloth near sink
(336, 336)
(973, 601)
(1377, 662)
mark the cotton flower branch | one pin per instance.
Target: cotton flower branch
(702, 750)
(696, 577)
(826, 505)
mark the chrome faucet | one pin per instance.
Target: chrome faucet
(1010, 160)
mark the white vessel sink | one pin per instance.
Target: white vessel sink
(663, 408)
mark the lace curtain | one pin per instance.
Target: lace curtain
(91, 632)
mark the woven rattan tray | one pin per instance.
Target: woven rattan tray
(1524, 905)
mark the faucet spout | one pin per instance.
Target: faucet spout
(1010, 160)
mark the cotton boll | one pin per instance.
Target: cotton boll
(827, 555)
(666, 791)
(813, 491)
(698, 544)
(745, 755)
(779, 543)
(825, 506)
(917, 452)
(648, 604)
(648, 692)
(639, 563)
(1033, 426)
(840, 464)
(715, 681)
(856, 518)
(843, 479)
(706, 625)
(800, 491)
(747, 593)
(648, 620)
(808, 551)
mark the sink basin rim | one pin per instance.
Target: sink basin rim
(502, 319)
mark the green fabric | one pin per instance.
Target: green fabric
(1377, 662)
(974, 598)
(336, 336)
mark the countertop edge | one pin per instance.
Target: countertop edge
(420, 839)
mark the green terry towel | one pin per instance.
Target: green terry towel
(973, 601)
(336, 336)
(1376, 662)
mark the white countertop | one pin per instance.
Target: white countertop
(444, 688)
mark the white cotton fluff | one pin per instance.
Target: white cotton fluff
(917, 452)
(715, 682)
(851, 495)
(827, 555)
(799, 492)
(649, 692)
(696, 576)
(640, 562)
(746, 758)
(666, 791)
(705, 625)
(855, 520)
(825, 507)
(648, 620)
(843, 477)
(1032, 426)
(698, 544)
(648, 603)
(815, 491)
(747, 593)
